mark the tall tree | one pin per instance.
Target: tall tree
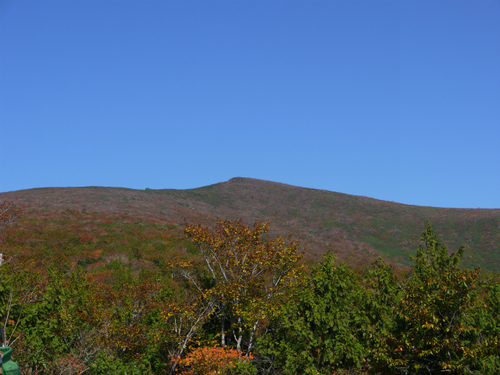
(435, 330)
(323, 330)
(245, 275)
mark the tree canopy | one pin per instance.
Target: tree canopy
(233, 299)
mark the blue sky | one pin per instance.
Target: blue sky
(394, 100)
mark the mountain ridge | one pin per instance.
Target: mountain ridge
(356, 228)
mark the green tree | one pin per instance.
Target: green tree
(383, 292)
(323, 330)
(52, 319)
(435, 330)
(489, 323)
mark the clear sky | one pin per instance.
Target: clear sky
(395, 100)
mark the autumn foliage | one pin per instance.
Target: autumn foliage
(245, 275)
(213, 361)
(94, 294)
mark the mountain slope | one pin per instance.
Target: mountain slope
(356, 228)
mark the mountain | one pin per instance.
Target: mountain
(357, 229)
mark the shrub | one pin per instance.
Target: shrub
(215, 360)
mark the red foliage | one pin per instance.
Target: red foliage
(86, 239)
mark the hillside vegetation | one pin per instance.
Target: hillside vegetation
(357, 229)
(118, 281)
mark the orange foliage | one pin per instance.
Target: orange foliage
(211, 361)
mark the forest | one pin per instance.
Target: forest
(120, 296)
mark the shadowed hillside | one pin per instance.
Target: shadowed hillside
(356, 228)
